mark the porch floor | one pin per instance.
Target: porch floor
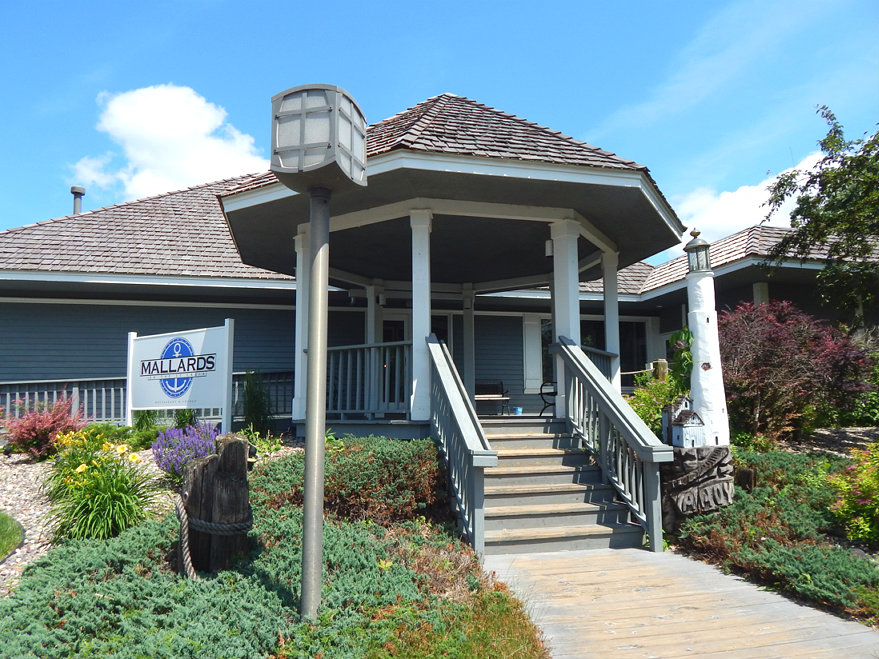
(631, 603)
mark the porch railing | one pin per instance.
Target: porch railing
(371, 379)
(627, 451)
(462, 442)
(103, 399)
(601, 358)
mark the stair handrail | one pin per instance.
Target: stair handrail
(462, 441)
(627, 450)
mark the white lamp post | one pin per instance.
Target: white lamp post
(318, 145)
(706, 380)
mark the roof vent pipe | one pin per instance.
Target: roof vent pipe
(78, 193)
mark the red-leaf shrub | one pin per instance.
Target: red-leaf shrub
(35, 431)
(782, 367)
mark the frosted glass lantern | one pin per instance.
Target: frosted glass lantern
(697, 253)
(318, 138)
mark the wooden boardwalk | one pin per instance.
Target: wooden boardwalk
(633, 604)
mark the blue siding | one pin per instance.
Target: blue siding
(56, 341)
(500, 356)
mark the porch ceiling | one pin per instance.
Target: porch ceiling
(464, 248)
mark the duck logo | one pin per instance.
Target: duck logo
(177, 367)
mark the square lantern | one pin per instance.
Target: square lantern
(318, 138)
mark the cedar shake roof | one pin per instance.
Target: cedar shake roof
(455, 125)
(630, 280)
(756, 241)
(177, 234)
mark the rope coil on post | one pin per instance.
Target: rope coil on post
(202, 526)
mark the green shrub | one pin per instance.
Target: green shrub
(185, 418)
(745, 441)
(650, 396)
(374, 477)
(857, 504)
(257, 404)
(782, 532)
(97, 487)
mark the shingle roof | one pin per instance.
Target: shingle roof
(755, 241)
(456, 125)
(177, 234)
(630, 280)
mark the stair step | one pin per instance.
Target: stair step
(553, 514)
(593, 536)
(510, 494)
(540, 455)
(532, 440)
(543, 474)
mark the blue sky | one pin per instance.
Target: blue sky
(132, 99)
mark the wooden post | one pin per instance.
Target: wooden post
(660, 369)
(215, 490)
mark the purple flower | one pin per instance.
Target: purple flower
(174, 447)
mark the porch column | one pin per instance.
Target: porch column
(469, 365)
(419, 403)
(300, 336)
(761, 292)
(609, 263)
(565, 296)
(373, 335)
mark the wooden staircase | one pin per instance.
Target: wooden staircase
(546, 494)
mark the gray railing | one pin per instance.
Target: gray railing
(601, 358)
(371, 379)
(627, 451)
(462, 442)
(103, 399)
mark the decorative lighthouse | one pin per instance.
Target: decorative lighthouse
(699, 479)
(706, 381)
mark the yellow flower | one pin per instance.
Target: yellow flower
(81, 468)
(134, 457)
(121, 448)
(107, 447)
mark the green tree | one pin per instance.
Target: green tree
(836, 215)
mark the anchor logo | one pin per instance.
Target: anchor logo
(178, 348)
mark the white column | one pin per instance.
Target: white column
(300, 337)
(609, 263)
(706, 380)
(565, 298)
(419, 404)
(761, 292)
(566, 280)
(469, 365)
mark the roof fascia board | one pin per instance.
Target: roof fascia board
(144, 280)
(728, 268)
(151, 303)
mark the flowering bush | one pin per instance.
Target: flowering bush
(175, 447)
(97, 487)
(857, 505)
(36, 431)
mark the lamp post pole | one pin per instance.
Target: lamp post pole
(315, 402)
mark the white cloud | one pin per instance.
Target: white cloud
(717, 214)
(171, 137)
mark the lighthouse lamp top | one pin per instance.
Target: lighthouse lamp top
(697, 253)
(318, 138)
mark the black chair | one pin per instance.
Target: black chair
(548, 392)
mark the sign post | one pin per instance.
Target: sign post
(181, 370)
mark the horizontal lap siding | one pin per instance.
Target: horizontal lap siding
(56, 341)
(499, 356)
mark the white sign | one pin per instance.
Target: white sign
(181, 370)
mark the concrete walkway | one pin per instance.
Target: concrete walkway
(630, 603)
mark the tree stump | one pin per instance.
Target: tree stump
(217, 501)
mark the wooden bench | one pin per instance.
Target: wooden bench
(492, 391)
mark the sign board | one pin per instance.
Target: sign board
(191, 369)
